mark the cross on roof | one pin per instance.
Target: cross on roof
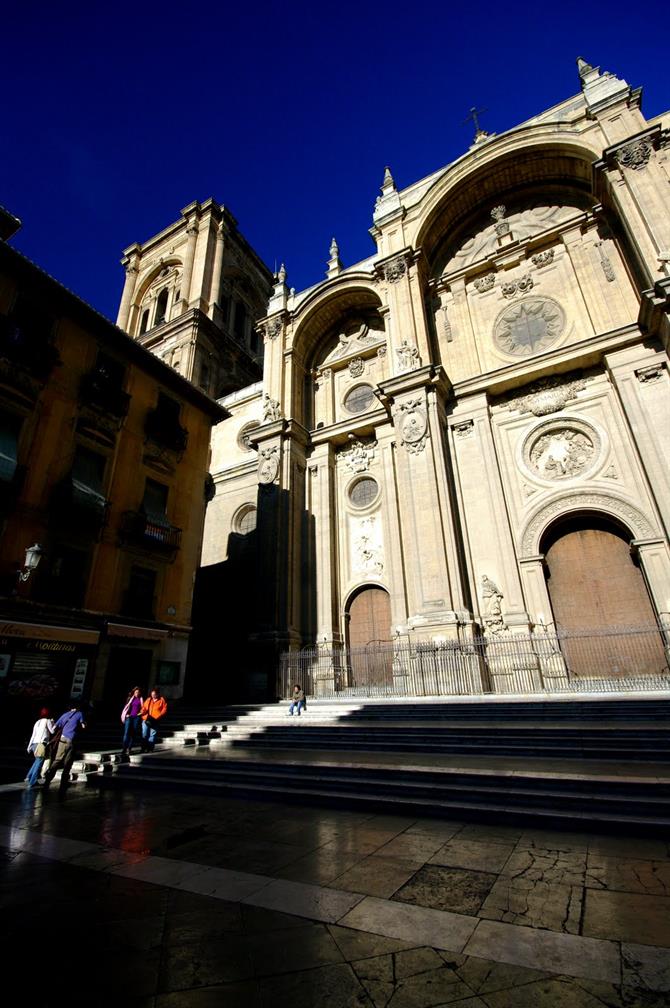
(474, 116)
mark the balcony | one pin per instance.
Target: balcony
(164, 430)
(101, 393)
(79, 508)
(152, 532)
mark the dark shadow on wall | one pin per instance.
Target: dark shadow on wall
(254, 605)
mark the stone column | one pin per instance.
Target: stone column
(408, 333)
(189, 258)
(128, 293)
(641, 379)
(552, 665)
(215, 291)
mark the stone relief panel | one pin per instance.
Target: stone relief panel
(529, 326)
(367, 547)
(268, 466)
(413, 424)
(492, 606)
(545, 396)
(358, 456)
(519, 224)
(562, 451)
(408, 357)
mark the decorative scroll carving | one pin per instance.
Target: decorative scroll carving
(543, 258)
(485, 283)
(529, 326)
(627, 513)
(356, 367)
(359, 455)
(408, 357)
(605, 262)
(268, 465)
(547, 395)
(271, 410)
(492, 608)
(413, 426)
(463, 429)
(649, 375)
(522, 286)
(635, 154)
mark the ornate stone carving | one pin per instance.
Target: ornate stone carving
(649, 375)
(356, 367)
(635, 154)
(268, 465)
(395, 269)
(381, 352)
(463, 429)
(547, 395)
(543, 258)
(561, 453)
(408, 357)
(273, 328)
(501, 225)
(605, 262)
(627, 513)
(611, 472)
(485, 283)
(358, 455)
(492, 606)
(528, 327)
(413, 426)
(522, 286)
(355, 343)
(367, 547)
(271, 410)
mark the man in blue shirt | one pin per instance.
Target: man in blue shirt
(69, 723)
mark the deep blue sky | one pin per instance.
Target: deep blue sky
(116, 116)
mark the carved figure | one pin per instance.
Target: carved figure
(492, 598)
(270, 409)
(408, 356)
(268, 467)
(562, 453)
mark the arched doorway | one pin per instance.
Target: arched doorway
(368, 637)
(594, 586)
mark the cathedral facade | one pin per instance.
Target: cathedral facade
(466, 433)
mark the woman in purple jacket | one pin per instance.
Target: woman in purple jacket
(131, 720)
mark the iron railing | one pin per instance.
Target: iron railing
(619, 658)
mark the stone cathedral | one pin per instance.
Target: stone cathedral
(466, 433)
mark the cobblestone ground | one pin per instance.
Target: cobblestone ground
(167, 900)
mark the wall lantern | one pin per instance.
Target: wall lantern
(33, 557)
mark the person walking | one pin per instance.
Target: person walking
(297, 700)
(38, 746)
(131, 719)
(68, 724)
(153, 709)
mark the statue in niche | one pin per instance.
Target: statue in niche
(270, 409)
(408, 356)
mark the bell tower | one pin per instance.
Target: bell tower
(193, 294)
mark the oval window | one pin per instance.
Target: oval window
(363, 492)
(359, 399)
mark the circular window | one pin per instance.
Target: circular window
(243, 437)
(363, 492)
(245, 520)
(359, 399)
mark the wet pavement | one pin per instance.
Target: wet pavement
(139, 898)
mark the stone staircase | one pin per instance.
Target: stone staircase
(561, 762)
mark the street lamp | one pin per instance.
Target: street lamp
(33, 557)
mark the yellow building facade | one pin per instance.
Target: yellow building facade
(104, 465)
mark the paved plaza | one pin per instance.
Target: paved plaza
(151, 898)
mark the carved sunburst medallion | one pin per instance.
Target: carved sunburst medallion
(528, 327)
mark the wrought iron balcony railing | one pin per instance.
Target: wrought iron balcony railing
(150, 531)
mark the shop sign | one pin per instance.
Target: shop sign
(79, 678)
(49, 634)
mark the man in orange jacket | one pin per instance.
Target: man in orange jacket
(153, 709)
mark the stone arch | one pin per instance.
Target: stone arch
(322, 308)
(627, 514)
(147, 280)
(551, 160)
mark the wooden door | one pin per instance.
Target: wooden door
(369, 638)
(594, 585)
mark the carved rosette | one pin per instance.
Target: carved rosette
(635, 154)
(268, 466)
(413, 425)
(529, 326)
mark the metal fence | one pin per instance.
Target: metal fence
(620, 658)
